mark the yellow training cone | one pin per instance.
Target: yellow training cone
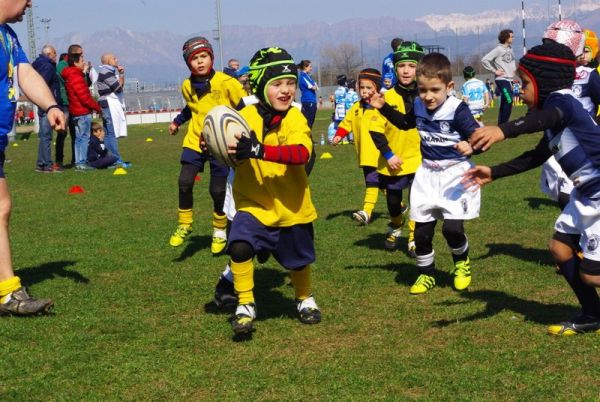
(120, 171)
(326, 155)
(149, 139)
(15, 144)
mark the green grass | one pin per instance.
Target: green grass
(133, 320)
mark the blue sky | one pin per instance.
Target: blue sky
(187, 16)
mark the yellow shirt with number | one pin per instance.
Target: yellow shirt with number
(357, 121)
(405, 144)
(224, 90)
(276, 194)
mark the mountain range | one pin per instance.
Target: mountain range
(155, 57)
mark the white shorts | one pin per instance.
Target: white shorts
(437, 193)
(553, 180)
(581, 216)
(229, 204)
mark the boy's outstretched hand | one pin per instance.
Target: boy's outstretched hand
(377, 100)
(173, 128)
(476, 177)
(484, 137)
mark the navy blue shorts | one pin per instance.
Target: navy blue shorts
(371, 176)
(2, 159)
(198, 159)
(395, 182)
(293, 247)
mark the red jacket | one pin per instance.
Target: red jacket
(80, 98)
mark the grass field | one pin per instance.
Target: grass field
(133, 318)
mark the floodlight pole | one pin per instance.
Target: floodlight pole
(559, 11)
(219, 32)
(523, 23)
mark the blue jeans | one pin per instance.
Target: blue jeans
(110, 139)
(83, 126)
(44, 158)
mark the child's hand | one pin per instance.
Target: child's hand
(464, 148)
(395, 163)
(336, 140)
(484, 137)
(247, 147)
(377, 100)
(476, 177)
(173, 128)
(203, 146)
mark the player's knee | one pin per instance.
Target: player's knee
(454, 232)
(563, 246)
(217, 188)
(240, 251)
(5, 208)
(186, 180)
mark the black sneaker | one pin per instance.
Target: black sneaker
(225, 296)
(243, 319)
(20, 303)
(308, 311)
(577, 325)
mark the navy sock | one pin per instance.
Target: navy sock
(587, 295)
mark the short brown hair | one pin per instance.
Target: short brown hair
(435, 65)
(97, 127)
(504, 35)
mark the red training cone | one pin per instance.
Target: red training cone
(76, 190)
(197, 178)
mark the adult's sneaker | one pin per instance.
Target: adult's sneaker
(423, 284)
(219, 241)
(20, 303)
(577, 325)
(392, 237)
(362, 217)
(243, 319)
(308, 311)
(462, 274)
(180, 235)
(225, 295)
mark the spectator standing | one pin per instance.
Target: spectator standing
(309, 89)
(501, 62)
(387, 68)
(17, 74)
(232, 66)
(45, 65)
(111, 79)
(81, 104)
(69, 128)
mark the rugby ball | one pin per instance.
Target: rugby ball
(221, 124)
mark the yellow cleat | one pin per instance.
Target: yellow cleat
(462, 274)
(180, 235)
(422, 285)
(219, 241)
(577, 325)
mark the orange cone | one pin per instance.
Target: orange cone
(76, 190)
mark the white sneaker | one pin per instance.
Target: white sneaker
(308, 311)
(362, 217)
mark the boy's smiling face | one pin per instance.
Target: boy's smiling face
(281, 93)
(200, 63)
(406, 72)
(433, 91)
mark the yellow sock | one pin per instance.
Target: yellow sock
(371, 195)
(8, 286)
(219, 221)
(185, 216)
(243, 280)
(301, 282)
(411, 230)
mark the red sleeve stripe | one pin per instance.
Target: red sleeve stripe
(286, 154)
(341, 132)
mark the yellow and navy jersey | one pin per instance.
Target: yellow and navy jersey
(276, 194)
(224, 90)
(404, 143)
(357, 121)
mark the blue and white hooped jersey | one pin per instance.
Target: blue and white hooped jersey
(587, 82)
(576, 146)
(443, 128)
(351, 99)
(474, 90)
(340, 103)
